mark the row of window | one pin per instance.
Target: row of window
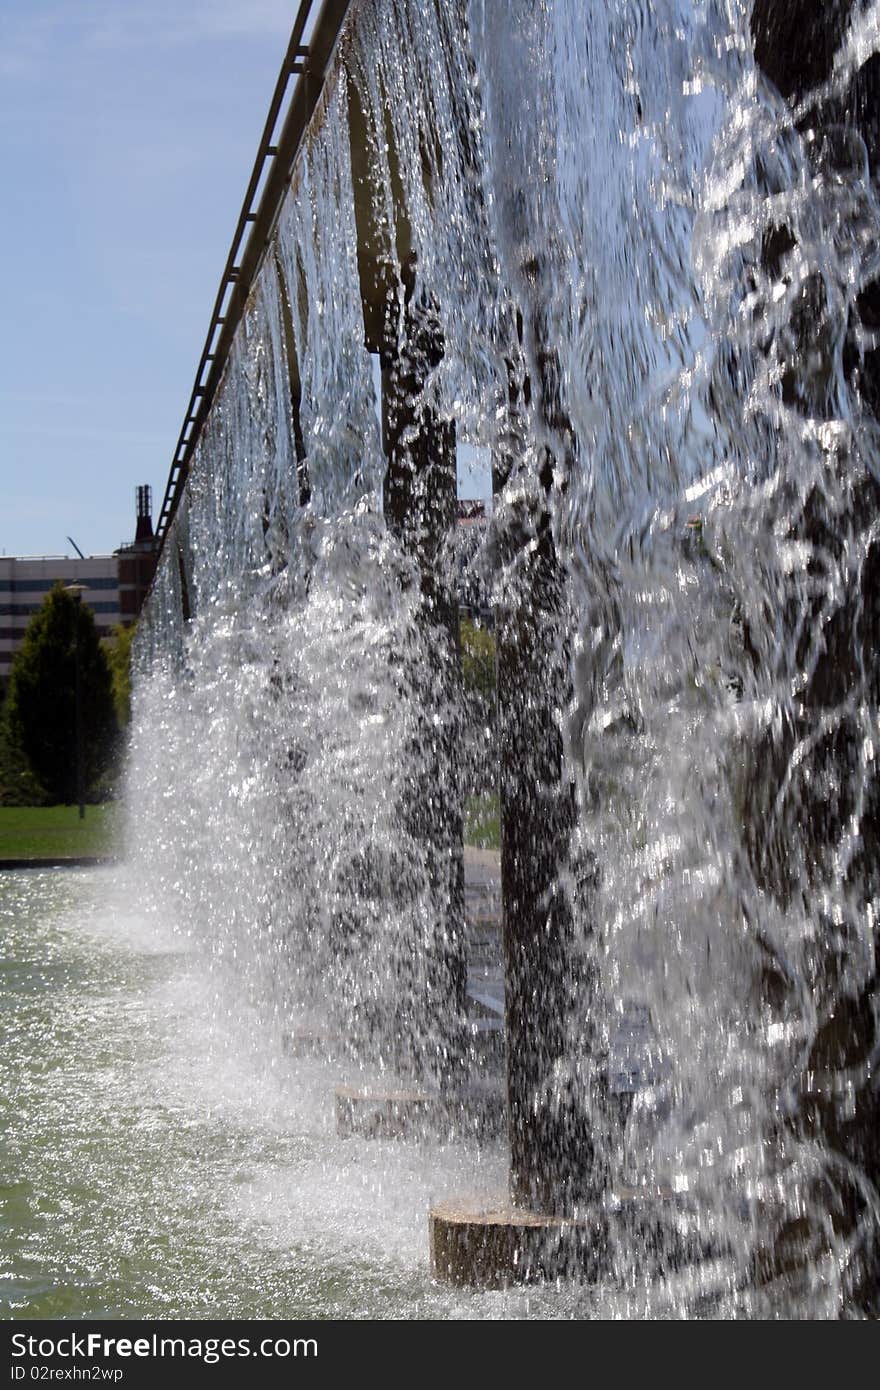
(42, 586)
(11, 610)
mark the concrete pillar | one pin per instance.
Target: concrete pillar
(185, 605)
(554, 1163)
(419, 496)
(420, 508)
(287, 310)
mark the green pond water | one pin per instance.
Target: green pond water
(161, 1157)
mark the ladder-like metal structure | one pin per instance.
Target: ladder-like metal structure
(296, 95)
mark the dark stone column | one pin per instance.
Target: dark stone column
(401, 324)
(420, 509)
(286, 293)
(554, 1167)
(185, 607)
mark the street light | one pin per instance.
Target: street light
(76, 592)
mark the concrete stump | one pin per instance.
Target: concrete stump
(496, 1246)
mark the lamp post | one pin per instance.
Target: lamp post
(76, 592)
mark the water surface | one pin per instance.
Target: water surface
(159, 1157)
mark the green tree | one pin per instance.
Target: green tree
(478, 661)
(41, 700)
(18, 785)
(118, 649)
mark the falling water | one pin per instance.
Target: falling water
(648, 284)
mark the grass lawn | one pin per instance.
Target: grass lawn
(482, 821)
(46, 832)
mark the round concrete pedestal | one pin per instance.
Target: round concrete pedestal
(497, 1246)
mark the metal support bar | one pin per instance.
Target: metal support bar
(307, 64)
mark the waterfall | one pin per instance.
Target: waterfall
(598, 240)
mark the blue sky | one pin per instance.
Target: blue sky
(128, 129)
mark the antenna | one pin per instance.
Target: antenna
(76, 547)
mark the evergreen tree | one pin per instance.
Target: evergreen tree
(41, 700)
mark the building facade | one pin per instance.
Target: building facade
(137, 561)
(114, 585)
(26, 580)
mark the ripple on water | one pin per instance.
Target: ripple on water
(160, 1160)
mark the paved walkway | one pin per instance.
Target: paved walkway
(482, 885)
(482, 891)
